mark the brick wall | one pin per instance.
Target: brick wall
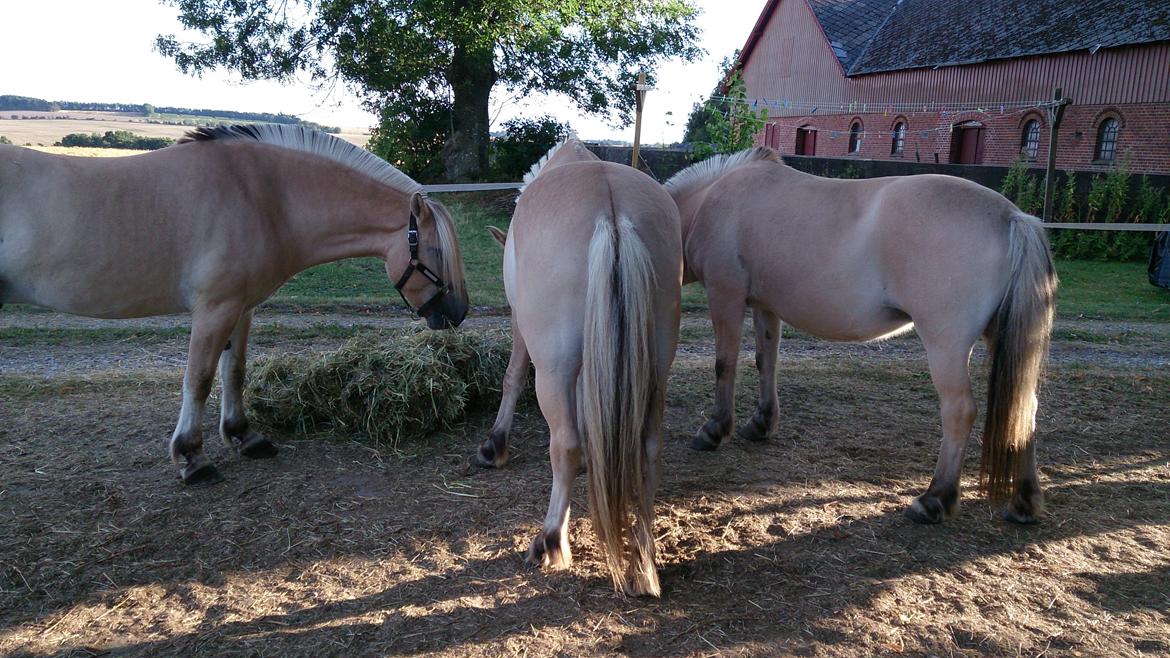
(1143, 137)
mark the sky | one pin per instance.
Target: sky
(103, 51)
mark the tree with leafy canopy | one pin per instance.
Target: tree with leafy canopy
(425, 65)
(726, 122)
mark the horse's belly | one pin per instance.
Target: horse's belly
(844, 322)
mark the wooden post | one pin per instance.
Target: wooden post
(1055, 112)
(639, 101)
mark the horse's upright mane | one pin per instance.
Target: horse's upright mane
(705, 172)
(536, 168)
(300, 138)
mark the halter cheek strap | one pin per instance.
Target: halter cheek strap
(417, 265)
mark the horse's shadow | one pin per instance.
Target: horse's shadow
(780, 594)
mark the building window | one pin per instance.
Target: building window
(899, 141)
(1030, 141)
(1107, 140)
(855, 137)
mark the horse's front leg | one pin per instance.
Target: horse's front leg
(493, 452)
(233, 423)
(557, 396)
(761, 424)
(727, 318)
(211, 324)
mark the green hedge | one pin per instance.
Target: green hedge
(1111, 198)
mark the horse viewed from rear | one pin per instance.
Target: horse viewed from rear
(592, 271)
(866, 259)
(213, 226)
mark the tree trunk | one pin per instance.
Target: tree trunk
(472, 76)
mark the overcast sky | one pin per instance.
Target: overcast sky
(93, 50)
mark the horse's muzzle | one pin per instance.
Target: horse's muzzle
(446, 312)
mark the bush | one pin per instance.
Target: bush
(386, 387)
(525, 141)
(116, 139)
(5, 140)
(413, 140)
(1108, 201)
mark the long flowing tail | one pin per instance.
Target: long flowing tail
(1018, 341)
(619, 377)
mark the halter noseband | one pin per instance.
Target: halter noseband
(417, 265)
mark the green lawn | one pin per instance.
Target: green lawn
(1088, 289)
(1109, 291)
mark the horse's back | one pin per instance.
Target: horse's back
(852, 259)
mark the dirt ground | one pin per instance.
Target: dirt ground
(792, 547)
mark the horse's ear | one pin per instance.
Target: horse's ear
(418, 206)
(499, 235)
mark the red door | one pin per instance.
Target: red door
(806, 141)
(967, 145)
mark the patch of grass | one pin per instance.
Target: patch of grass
(261, 335)
(30, 337)
(1109, 291)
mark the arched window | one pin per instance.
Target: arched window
(1030, 140)
(899, 141)
(1107, 140)
(855, 137)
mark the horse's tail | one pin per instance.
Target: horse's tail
(619, 378)
(1018, 337)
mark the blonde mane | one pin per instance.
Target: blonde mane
(706, 172)
(307, 140)
(539, 166)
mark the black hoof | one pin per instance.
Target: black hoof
(754, 430)
(703, 443)
(927, 511)
(1012, 515)
(258, 447)
(536, 556)
(203, 476)
(486, 456)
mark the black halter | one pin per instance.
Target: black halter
(417, 265)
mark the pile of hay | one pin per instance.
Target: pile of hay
(385, 386)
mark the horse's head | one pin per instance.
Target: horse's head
(431, 282)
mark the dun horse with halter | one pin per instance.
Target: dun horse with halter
(863, 260)
(592, 270)
(213, 226)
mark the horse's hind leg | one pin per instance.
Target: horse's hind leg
(767, 327)
(952, 381)
(233, 423)
(493, 452)
(556, 393)
(727, 318)
(210, 328)
(1027, 503)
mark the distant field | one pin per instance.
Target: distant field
(86, 152)
(48, 131)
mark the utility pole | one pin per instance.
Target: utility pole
(1055, 113)
(640, 101)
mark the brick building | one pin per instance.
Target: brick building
(957, 81)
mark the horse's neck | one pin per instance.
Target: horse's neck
(345, 219)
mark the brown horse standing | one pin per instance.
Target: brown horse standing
(867, 259)
(592, 269)
(213, 226)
